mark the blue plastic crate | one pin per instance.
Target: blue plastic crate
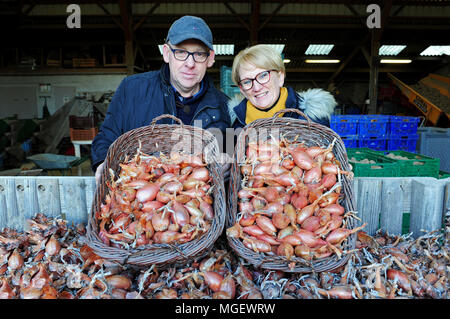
(373, 125)
(374, 143)
(403, 125)
(345, 125)
(350, 141)
(403, 143)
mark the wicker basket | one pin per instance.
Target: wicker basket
(157, 138)
(314, 135)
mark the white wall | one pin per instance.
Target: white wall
(20, 94)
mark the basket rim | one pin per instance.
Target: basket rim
(164, 254)
(279, 262)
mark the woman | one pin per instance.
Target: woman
(259, 72)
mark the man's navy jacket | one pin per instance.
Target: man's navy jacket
(142, 97)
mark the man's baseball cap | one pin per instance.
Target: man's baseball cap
(190, 27)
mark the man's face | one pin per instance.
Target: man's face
(186, 75)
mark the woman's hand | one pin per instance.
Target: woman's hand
(98, 172)
(226, 168)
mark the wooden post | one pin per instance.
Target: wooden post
(125, 12)
(373, 79)
(374, 57)
(254, 22)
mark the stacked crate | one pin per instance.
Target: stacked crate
(82, 128)
(373, 131)
(412, 164)
(435, 142)
(226, 83)
(377, 132)
(368, 163)
(403, 133)
(346, 126)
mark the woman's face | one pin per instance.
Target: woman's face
(262, 96)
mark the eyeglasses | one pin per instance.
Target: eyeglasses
(261, 78)
(183, 55)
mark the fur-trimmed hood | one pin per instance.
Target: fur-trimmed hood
(316, 103)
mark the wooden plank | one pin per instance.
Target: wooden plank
(27, 197)
(73, 200)
(48, 194)
(369, 204)
(12, 218)
(19, 188)
(3, 204)
(90, 192)
(427, 201)
(447, 195)
(392, 194)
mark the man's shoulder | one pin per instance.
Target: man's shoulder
(141, 78)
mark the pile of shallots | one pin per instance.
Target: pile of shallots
(51, 261)
(156, 199)
(288, 203)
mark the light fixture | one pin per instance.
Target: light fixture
(219, 49)
(321, 61)
(319, 49)
(392, 50)
(278, 47)
(286, 60)
(396, 61)
(223, 49)
(436, 50)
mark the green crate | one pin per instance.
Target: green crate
(405, 223)
(443, 175)
(428, 166)
(383, 166)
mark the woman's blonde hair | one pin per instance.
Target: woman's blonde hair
(262, 56)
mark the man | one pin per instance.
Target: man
(180, 88)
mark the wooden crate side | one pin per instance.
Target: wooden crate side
(392, 200)
(73, 200)
(446, 194)
(427, 201)
(21, 198)
(48, 194)
(10, 216)
(369, 203)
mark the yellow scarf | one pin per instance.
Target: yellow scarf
(253, 113)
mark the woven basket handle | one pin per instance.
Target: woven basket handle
(293, 110)
(165, 116)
